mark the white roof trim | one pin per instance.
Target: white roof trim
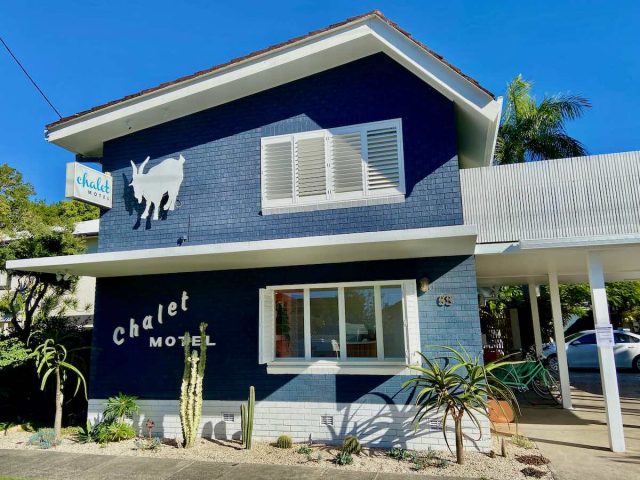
(477, 112)
(393, 244)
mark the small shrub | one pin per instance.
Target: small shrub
(151, 444)
(114, 432)
(431, 454)
(399, 454)
(304, 450)
(284, 441)
(120, 407)
(343, 458)
(532, 459)
(532, 472)
(351, 445)
(522, 442)
(441, 463)
(43, 438)
(86, 434)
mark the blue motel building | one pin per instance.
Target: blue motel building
(328, 207)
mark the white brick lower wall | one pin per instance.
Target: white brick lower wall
(374, 424)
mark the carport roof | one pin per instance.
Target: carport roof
(518, 263)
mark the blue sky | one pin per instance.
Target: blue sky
(83, 53)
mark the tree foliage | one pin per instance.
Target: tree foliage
(536, 131)
(32, 229)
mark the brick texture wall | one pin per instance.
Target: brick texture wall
(228, 302)
(220, 195)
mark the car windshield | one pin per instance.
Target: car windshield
(573, 336)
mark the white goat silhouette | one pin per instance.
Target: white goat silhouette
(166, 177)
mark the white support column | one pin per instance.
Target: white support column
(561, 349)
(606, 359)
(535, 317)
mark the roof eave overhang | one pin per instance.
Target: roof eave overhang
(477, 112)
(354, 247)
(531, 260)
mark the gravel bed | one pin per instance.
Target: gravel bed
(477, 465)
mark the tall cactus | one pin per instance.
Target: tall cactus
(191, 388)
(246, 417)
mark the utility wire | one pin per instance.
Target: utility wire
(29, 77)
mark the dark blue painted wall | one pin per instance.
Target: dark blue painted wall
(228, 302)
(220, 193)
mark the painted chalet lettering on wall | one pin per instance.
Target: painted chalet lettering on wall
(164, 178)
(150, 323)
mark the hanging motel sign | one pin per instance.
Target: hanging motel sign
(88, 185)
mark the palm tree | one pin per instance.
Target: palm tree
(51, 359)
(531, 131)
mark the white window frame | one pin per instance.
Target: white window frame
(343, 365)
(332, 199)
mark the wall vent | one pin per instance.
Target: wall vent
(228, 417)
(435, 424)
(326, 420)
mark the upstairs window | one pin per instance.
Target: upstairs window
(362, 164)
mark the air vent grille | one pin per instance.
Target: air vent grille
(228, 417)
(326, 420)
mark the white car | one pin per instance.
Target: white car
(582, 351)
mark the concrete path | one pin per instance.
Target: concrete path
(43, 465)
(576, 441)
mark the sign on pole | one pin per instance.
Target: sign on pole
(604, 335)
(88, 185)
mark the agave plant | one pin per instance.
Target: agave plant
(456, 385)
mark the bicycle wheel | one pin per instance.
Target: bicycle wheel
(546, 386)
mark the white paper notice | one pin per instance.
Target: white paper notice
(604, 335)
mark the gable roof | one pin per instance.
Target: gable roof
(85, 132)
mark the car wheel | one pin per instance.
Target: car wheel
(636, 363)
(552, 363)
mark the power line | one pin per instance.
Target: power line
(29, 77)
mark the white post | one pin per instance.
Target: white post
(561, 349)
(606, 359)
(535, 317)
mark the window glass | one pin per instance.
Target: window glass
(589, 339)
(360, 322)
(624, 338)
(289, 306)
(325, 337)
(392, 321)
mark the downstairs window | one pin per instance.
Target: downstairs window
(359, 328)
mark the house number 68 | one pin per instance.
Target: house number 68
(445, 300)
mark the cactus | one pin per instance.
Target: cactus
(246, 418)
(351, 445)
(284, 441)
(191, 388)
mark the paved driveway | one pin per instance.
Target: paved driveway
(577, 441)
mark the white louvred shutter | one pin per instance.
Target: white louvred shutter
(266, 330)
(277, 170)
(412, 322)
(383, 160)
(311, 167)
(346, 159)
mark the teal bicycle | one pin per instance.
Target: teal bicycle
(530, 375)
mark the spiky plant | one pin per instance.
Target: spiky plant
(284, 441)
(351, 444)
(246, 418)
(191, 388)
(120, 407)
(454, 386)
